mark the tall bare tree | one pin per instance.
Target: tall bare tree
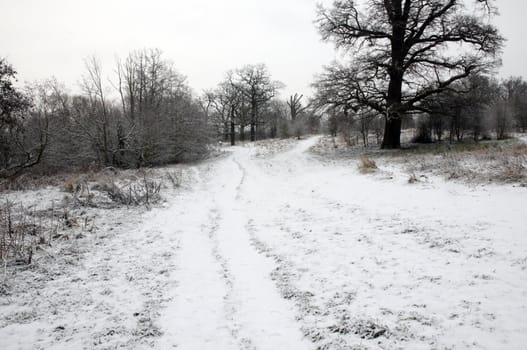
(404, 52)
(228, 101)
(92, 84)
(295, 105)
(256, 85)
(159, 111)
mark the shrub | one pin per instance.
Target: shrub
(19, 234)
(174, 177)
(143, 191)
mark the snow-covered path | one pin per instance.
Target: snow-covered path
(225, 299)
(272, 248)
(351, 257)
(431, 265)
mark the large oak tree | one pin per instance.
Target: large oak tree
(257, 86)
(404, 52)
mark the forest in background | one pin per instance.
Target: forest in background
(147, 115)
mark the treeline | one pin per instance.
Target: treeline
(155, 119)
(245, 106)
(146, 115)
(477, 108)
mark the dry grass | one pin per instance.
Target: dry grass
(475, 162)
(141, 192)
(367, 165)
(34, 180)
(29, 231)
(504, 162)
(111, 188)
(413, 178)
(271, 147)
(17, 235)
(329, 147)
(175, 177)
(23, 232)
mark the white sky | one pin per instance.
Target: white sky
(204, 38)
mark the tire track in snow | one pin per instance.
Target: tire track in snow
(242, 180)
(259, 317)
(225, 298)
(196, 318)
(230, 304)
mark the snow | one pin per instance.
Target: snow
(270, 247)
(225, 299)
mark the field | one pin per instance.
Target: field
(291, 244)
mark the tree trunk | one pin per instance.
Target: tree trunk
(233, 135)
(105, 144)
(392, 132)
(242, 132)
(253, 120)
(392, 129)
(121, 143)
(392, 125)
(226, 131)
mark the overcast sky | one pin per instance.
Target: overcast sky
(204, 38)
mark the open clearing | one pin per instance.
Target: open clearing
(268, 247)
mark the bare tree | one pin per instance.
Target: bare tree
(227, 102)
(156, 121)
(95, 91)
(23, 134)
(515, 89)
(295, 105)
(460, 110)
(254, 81)
(277, 117)
(162, 121)
(404, 52)
(501, 118)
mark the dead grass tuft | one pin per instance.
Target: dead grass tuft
(367, 165)
(365, 329)
(413, 178)
(175, 177)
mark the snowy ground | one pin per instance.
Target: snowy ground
(271, 248)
